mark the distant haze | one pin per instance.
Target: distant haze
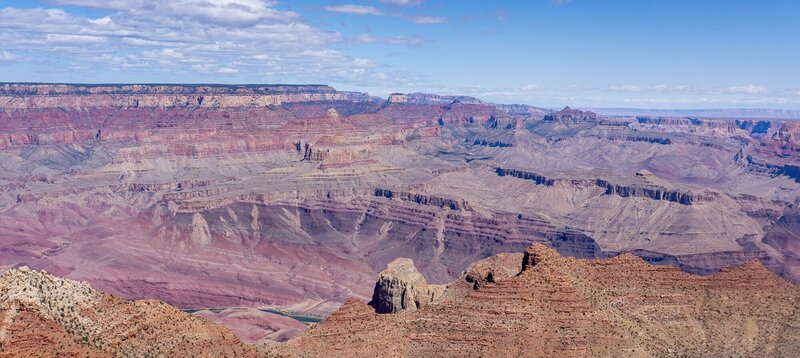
(755, 113)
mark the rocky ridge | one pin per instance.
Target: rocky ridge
(43, 315)
(563, 307)
(401, 288)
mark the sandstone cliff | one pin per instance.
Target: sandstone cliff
(401, 288)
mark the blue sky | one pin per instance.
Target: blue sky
(591, 53)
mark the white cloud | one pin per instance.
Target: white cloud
(103, 21)
(626, 88)
(100, 4)
(184, 37)
(363, 63)
(7, 56)
(163, 53)
(133, 41)
(678, 88)
(65, 39)
(371, 10)
(401, 2)
(748, 89)
(44, 20)
(425, 19)
(218, 12)
(395, 40)
(355, 9)
(530, 87)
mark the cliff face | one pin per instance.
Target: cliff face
(495, 268)
(427, 98)
(77, 97)
(30, 89)
(423, 199)
(633, 190)
(654, 193)
(761, 166)
(557, 306)
(401, 288)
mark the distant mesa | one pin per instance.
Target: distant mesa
(431, 99)
(83, 96)
(398, 98)
(571, 116)
(43, 89)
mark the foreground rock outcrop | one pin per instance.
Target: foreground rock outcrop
(401, 288)
(46, 316)
(565, 307)
(536, 304)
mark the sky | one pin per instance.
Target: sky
(676, 54)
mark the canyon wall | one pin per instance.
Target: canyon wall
(295, 197)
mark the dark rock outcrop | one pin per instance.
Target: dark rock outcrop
(650, 192)
(492, 144)
(654, 140)
(764, 167)
(493, 269)
(536, 178)
(643, 191)
(424, 199)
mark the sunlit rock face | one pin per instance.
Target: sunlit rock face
(295, 197)
(401, 288)
(554, 306)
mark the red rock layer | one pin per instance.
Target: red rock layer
(565, 307)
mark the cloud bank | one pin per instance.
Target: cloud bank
(183, 38)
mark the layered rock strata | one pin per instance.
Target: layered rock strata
(563, 307)
(294, 197)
